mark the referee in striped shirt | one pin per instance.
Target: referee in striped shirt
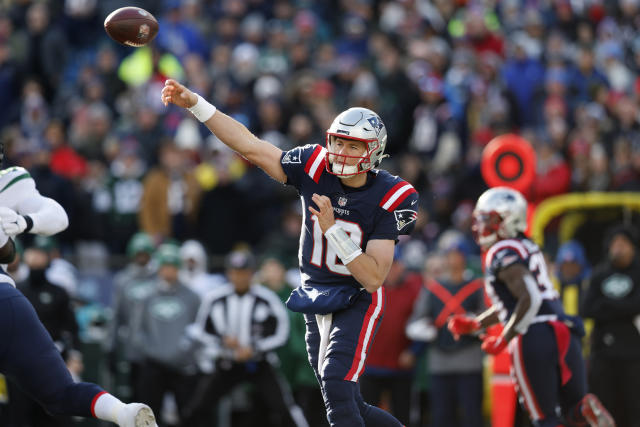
(239, 324)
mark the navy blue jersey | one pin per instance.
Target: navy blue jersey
(385, 207)
(520, 250)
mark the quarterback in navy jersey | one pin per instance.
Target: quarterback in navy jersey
(543, 341)
(353, 214)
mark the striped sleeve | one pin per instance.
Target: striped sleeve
(399, 207)
(209, 326)
(300, 163)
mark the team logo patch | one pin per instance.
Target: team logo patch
(342, 201)
(166, 309)
(617, 286)
(292, 156)
(376, 123)
(404, 217)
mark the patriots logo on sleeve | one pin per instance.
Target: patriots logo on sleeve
(404, 217)
(292, 156)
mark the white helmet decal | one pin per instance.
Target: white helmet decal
(359, 124)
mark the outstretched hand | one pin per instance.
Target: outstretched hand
(178, 94)
(324, 212)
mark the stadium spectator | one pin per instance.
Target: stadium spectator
(160, 335)
(170, 197)
(194, 272)
(455, 366)
(612, 300)
(572, 270)
(132, 285)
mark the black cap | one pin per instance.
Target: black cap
(240, 260)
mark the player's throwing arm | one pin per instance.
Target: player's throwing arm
(231, 132)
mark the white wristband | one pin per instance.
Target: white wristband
(340, 242)
(202, 109)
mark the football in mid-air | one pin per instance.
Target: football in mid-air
(131, 26)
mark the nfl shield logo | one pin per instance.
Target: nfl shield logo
(342, 201)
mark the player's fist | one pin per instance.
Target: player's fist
(460, 324)
(10, 222)
(493, 344)
(175, 93)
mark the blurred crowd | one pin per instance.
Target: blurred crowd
(83, 115)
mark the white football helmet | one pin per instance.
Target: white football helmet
(500, 213)
(360, 124)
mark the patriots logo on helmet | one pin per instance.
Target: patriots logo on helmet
(404, 217)
(376, 123)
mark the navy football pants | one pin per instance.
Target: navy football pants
(29, 357)
(340, 341)
(548, 370)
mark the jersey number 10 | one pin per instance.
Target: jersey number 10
(331, 259)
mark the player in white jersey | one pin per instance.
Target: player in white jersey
(28, 355)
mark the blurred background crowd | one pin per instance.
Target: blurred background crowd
(83, 115)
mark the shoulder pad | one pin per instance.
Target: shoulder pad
(398, 192)
(504, 253)
(10, 176)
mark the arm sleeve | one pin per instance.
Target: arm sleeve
(400, 220)
(300, 162)
(22, 196)
(48, 216)
(280, 333)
